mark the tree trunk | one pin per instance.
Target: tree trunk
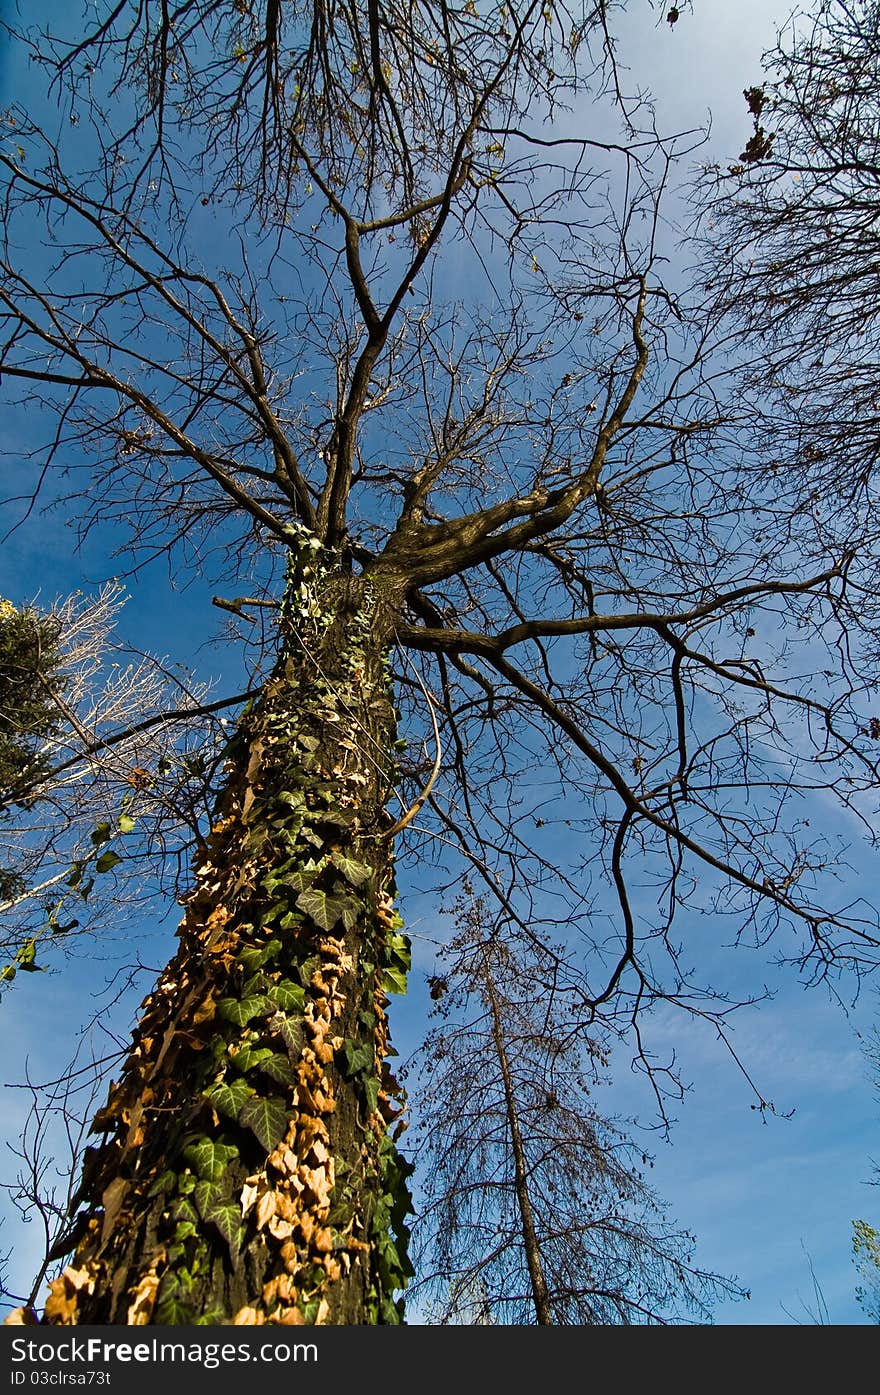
(248, 1175)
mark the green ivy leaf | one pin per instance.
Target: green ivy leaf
(279, 1068)
(267, 1119)
(351, 911)
(306, 969)
(301, 881)
(324, 910)
(228, 1098)
(207, 1195)
(290, 1029)
(253, 986)
(102, 834)
(391, 1311)
(397, 952)
(309, 1309)
(241, 1010)
(165, 1182)
(393, 1267)
(287, 996)
(173, 1302)
(184, 1211)
(253, 957)
(355, 873)
(359, 1057)
(209, 1159)
(328, 910)
(226, 1216)
(249, 1057)
(278, 877)
(294, 799)
(394, 980)
(340, 818)
(126, 823)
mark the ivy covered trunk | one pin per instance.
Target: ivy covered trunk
(247, 1173)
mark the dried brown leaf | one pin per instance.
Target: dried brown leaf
(112, 1200)
(249, 1317)
(141, 1307)
(21, 1317)
(265, 1209)
(323, 1240)
(289, 1317)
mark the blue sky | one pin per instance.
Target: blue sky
(767, 1196)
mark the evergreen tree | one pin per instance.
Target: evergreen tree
(29, 710)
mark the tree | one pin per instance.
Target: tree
(28, 710)
(866, 1250)
(107, 766)
(793, 249)
(865, 1239)
(48, 1156)
(535, 1207)
(425, 485)
(793, 260)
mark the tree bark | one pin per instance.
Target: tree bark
(247, 1174)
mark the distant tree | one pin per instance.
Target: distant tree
(107, 757)
(866, 1250)
(29, 707)
(865, 1237)
(343, 304)
(48, 1156)
(534, 1207)
(790, 229)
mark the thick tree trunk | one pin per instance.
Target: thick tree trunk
(248, 1175)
